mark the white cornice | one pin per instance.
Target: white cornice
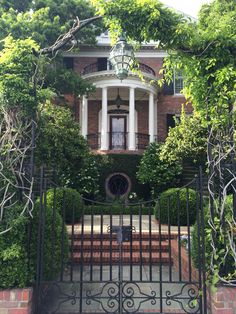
(108, 79)
(105, 54)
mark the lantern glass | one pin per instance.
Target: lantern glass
(122, 58)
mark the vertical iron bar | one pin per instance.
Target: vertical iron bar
(111, 239)
(91, 247)
(179, 237)
(44, 218)
(53, 227)
(120, 276)
(39, 244)
(72, 242)
(189, 238)
(140, 244)
(63, 237)
(160, 256)
(169, 241)
(150, 241)
(203, 241)
(101, 246)
(81, 239)
(131, 245)
(199, 241)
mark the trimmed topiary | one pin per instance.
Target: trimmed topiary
(65, 199)
(18, 253)
(172, 205)
(13, 250)
(55, 245)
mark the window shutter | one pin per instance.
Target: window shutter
(168, 89)
(170, 121)
(102, 64)
(68, 63)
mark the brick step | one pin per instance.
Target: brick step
(135, 236)
(126, 258)
(106, 245)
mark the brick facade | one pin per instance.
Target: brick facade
(16, 301)
(142, 110)
(223, 301)
(93, 116)
(166, 104)
(169, 104)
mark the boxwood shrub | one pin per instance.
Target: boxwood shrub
(67, 198)
(174, 202)
(53, 231)
(17, 264)
(13, 250)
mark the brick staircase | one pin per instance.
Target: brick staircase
(104, 249)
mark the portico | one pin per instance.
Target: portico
(130, 126)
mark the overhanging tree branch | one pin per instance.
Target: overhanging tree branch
(63, 40)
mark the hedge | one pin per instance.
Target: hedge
(66, 199)
(13, 250)
(173, 203)
(17, 264)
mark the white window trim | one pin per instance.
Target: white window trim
(178, 94)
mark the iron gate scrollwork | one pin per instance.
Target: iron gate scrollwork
(121, 259)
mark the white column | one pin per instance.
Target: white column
(155, 119)
(151, 117)
(131, 118)
(104, 135)
(84, 117)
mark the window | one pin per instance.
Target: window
(170, 121)
(178, 82)
(68, 62)
(102, 64)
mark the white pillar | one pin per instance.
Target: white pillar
(155, 119)
(131, 119)
(151, 117)
(104, 135)
(84, 117)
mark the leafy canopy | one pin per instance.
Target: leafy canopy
(158, 173)
(45, 20)
(62, 147)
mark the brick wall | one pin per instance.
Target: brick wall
(154, 63)
(16, 301)
(169, 105)
(142, 110)
(93, 116)
(223, 301)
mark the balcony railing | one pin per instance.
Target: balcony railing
(94, 140)
(118, 140)
(142, 140)
(95, 67)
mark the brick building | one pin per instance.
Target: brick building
(123, 117)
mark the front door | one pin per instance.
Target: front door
(117, 132)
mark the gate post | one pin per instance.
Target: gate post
(201, 221)
(40, 240)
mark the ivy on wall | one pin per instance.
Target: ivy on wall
(127, 164)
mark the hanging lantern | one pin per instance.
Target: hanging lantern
(122, 57)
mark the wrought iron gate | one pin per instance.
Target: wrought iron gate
(120, 258)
